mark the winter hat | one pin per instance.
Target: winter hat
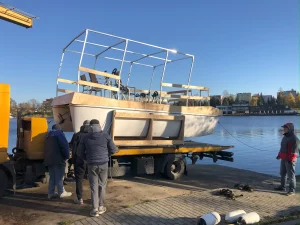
(94, 121)
(86, 122)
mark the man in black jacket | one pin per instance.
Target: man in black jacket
(56, 152)
(97, 147)
(79, 163)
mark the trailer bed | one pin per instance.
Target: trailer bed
(187, 147)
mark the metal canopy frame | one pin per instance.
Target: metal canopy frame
(125, 51)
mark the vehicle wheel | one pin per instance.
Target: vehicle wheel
(3, 183)
(175, 169)
(117, 171)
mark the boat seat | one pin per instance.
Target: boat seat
(84, 87)
(94, 79)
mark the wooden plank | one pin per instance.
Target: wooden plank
(112, 129)
(97, 72)
(184, 99)
(147, 142)
(187, 97)
(181, 132)
(150, 130)
(101, 86)
(185, 86)
(180, 91)
(66, 81)
(64, 90)
(147, 116)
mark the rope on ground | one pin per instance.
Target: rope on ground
(262, 150)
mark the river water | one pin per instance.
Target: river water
(256, 140)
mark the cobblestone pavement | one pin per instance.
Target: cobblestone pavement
(184, 210)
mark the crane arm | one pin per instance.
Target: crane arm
(16, 16)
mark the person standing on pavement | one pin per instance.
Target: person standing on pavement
(79, 163)
(97, 147)
(56, 152)
(288, 155)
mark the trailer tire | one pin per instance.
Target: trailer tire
(117, 171)
(175, 169)
(3, 183)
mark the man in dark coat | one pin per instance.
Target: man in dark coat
(288, 155)
(56, 152)
(96, 148)
(79, 163)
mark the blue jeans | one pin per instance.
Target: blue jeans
(287, 170)
(56, 173)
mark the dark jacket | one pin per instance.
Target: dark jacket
(74, 143)
(56, 150)
(289, 145)
(96, 147)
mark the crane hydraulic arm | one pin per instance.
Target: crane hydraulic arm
(16, 16)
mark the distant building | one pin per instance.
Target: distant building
(240, 108)
(267, 97)
(286, 93)
(226, 109)
(244, 97)
(217, 97)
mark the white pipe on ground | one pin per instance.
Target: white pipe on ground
(212, 218)
(249, 218)
(233, 216)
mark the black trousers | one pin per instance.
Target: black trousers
(80, 170)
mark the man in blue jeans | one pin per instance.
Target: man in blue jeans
(288, 155)
(56, 152)
(96, 148)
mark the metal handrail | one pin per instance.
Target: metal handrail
(123, 60)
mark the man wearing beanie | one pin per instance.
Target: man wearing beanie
(96, 148)
(79, 163)
(56, 152)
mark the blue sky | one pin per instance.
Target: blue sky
(239, 46)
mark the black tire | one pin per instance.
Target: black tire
(175, 169)
(118, 171)
(3, 183)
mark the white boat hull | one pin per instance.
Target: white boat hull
(195, 125)
(71, 117)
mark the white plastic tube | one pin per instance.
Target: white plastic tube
(212, 218)
(233, 216)
(249, 218)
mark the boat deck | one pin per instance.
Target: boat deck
(187, 147)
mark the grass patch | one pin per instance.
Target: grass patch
(67, 222)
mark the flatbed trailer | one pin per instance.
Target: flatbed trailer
(169, 160)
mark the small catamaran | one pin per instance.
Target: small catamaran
(126, 110)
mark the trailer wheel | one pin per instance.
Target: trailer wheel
(3, 183)
(117, 171)
(175, 169)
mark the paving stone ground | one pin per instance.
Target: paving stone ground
(184, 210)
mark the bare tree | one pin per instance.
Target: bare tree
(34, 104)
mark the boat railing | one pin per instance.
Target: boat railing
(112, 82)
